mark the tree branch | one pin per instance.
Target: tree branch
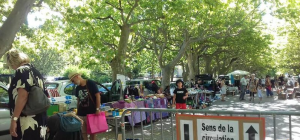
(122, 11)
(39, 4)
(119, 8)
(131, 10)
(110, 17)
(111, 45)
(13, 24)
(143, 20)
(129, 3)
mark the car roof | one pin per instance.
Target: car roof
(58, 81)
(143, 80)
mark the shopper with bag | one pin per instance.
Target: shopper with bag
(28, 100)
(88, 100)
(269, 86)
(252, 86)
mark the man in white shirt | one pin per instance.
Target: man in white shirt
(243, 87)
(263, 82)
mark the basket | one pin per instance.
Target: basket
(282, 96)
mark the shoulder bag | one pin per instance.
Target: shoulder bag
(69, 123)
(87, 88)
(37, 101)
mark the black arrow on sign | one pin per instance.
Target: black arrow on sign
(251, 132)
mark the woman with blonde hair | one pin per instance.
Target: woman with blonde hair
(24, 127)
(252, 86)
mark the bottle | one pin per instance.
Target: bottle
(117, 113)
(113, 113)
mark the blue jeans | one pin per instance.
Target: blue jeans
(269, 92)
(243, 91)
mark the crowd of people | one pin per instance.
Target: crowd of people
(29, 127)
(254, 85)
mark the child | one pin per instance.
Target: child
(180, 95)
(223, 89)
(259, 92)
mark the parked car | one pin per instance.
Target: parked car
(146, 84)
(107, 85)
(227, 79)
(208, 81)
(4, 113)
(61, 88)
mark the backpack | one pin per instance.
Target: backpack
(69, 123)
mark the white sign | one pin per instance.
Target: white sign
(251, 131)
(209, 129)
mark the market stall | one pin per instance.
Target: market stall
(200, 97)
(138, 117)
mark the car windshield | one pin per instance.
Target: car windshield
(51, 85)
(102, 89)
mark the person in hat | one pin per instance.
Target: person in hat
(180, 95)
(88, 99)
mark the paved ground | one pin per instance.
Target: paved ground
(233, 104)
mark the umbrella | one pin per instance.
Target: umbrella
(238, 72)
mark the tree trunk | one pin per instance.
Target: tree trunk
(117, 64)
(192, 64)
(172, 74)
(185, 72)
(208, 65)
(166, 72)
(13, 23)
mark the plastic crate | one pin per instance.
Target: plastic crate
(52, 109)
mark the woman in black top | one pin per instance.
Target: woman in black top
(24, 127)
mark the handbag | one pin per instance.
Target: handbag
(96, 123)
(69, 123)
(269, 87)
(37, 101)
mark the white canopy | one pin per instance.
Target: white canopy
(238, 72)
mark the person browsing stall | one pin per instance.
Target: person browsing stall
(22, 126)
(180, 95)
(88, 99)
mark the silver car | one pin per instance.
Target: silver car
(4, 113)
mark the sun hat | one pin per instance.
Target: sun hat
(73, 74)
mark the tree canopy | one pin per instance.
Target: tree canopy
(138, 38)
